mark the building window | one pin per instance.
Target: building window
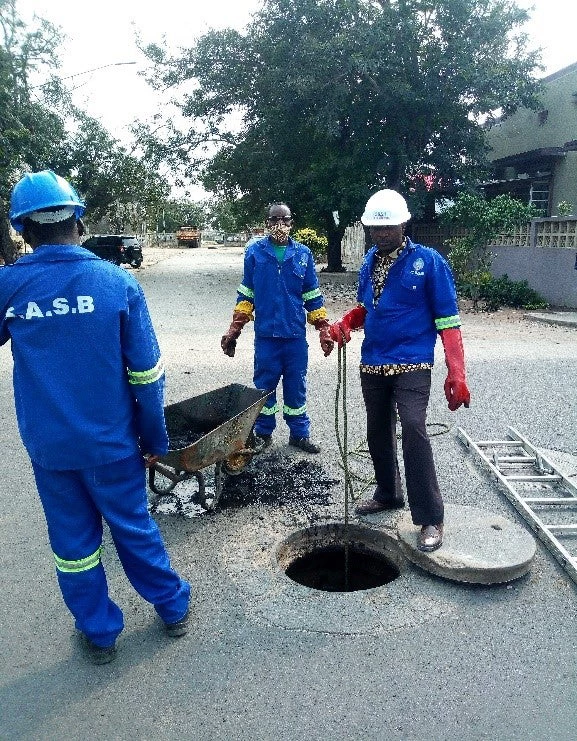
(543, 116)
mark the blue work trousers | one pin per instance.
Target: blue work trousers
(75, 504)
(286, 358)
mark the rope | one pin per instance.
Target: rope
(343, 443)
(361, 451)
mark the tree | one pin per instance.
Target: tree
(122, 186)
(321, 102)
(230, 216)
(117, 185)
(470, 256)
(175, 213)
(30, 132)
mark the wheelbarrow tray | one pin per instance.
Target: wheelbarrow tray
(224, 418)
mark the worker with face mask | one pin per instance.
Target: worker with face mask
(406, 297)
(88, 387)
(280, 291)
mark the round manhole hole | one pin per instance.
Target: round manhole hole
(339, 558)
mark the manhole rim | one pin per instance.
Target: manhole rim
(378, 538)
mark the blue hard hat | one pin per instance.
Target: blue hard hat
(41, 190)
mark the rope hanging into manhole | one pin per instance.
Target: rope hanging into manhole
(343, 443)
(361, 451)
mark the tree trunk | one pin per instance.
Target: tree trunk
(334, 258)
(8, 249)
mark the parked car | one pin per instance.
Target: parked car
(118, 248)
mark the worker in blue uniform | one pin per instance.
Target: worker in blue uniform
(88, 387)
(280, 291)
(406, 297)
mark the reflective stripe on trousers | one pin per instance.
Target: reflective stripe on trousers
(286, 358)
(75, 504)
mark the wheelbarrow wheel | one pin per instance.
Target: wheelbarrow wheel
(236, 463)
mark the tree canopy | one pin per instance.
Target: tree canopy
(40, 128)
(321, 102)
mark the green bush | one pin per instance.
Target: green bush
(497, 292)
(316, 243)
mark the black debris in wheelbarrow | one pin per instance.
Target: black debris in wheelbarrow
(177, 442)
(278, 480)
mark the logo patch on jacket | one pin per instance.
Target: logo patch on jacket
(418, 266)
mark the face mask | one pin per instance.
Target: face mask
(279, 232)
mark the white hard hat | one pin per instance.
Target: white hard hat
(385, 208)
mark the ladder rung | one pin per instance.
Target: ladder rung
(535, 477)
(494, 443)
(515, 459)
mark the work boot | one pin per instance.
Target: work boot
(180, 628)
(263, 441)
(98, 654)
(379, 503)
(304, 443)
(430, 538)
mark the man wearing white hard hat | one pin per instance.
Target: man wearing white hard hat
(406, 297)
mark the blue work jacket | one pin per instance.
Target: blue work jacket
(281, 293)
(418, 300)
(88, 376)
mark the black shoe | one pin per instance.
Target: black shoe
(430, 538)
(98, 654)
(304, 443)
(180, 628)
(263, 441)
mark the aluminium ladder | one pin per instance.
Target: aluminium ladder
(542, 495)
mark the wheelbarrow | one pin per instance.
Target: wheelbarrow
(214, 428)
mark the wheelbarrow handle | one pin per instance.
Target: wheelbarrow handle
(168, 473)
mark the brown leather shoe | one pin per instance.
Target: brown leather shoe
(430, 538)
(372, 506)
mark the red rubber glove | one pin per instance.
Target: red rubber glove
(456, 390)
(228, 341)
(324, 329)
(353, 319)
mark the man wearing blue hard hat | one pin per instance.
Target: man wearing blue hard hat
(88, 388)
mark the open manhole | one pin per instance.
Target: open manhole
(339, 558)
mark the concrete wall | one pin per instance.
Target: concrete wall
(549, 270)
(564, 183)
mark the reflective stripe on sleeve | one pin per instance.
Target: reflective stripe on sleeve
(311, 294)
(244, 291)
(447, 322)
(81, 564)
(139, 378)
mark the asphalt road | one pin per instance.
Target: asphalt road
(267, 659)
